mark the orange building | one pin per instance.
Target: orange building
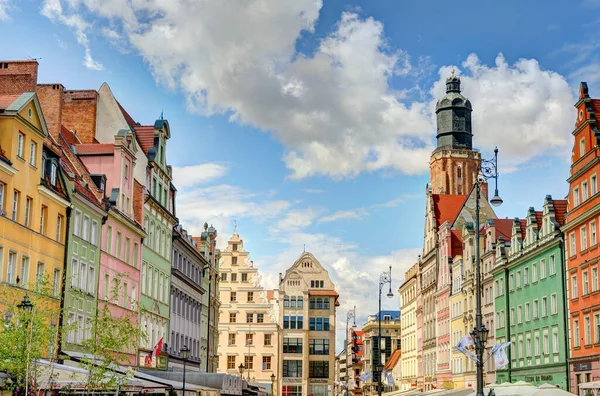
(581, 243)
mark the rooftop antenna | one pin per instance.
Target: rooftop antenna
(304, 248)
(161, 114)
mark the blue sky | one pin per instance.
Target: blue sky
(310, 123)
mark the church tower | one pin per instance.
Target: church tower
(454, 164)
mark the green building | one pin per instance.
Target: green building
(530, 301)
(159, 220)
(82, 254)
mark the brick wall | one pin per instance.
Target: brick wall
(17, 77)
(139, 195)
(444, 174)
(79, 113)
(50, 96)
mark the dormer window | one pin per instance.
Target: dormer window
(53, 173)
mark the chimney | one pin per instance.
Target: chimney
(50, 96)
(17, 77)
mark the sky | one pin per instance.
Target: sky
(310, 122)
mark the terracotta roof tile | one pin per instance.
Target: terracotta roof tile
(456, 243)
(560, 210)
(538, 218)
(130, 121)
(523, 224)
(95, 149)
(393, 360)
(69, 137)
(7, 100)
(145, 135)
(446, 207)
(504, 228)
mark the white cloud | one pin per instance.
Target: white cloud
(189, 176)
(334, 110)
(524, 110)
(53, 10)
(5, 6)
(313, 190)
(353, 214)
(296, 219)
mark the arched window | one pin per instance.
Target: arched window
(459, 172)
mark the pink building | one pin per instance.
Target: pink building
(450, 245)
(122, 233)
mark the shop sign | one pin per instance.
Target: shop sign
(538, 378)
(318, 381)
(587, 366)
(292, 380)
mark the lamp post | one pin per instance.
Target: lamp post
(489, 170)
(351, 315)
(272, 384)
(384, 279)
(241, 368)
(26, 307)
(185, 353)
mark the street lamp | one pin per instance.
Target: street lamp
(241, 368)
(26, 306)
(351, 315)
(185, 353)
(385, 278)
(489, 170)
(272, 384)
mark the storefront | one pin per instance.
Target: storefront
(536, 375)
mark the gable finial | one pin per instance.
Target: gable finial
(304, 250)
(161, 114)
(234, 226)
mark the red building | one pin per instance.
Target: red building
(581, 243)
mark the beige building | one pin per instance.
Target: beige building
(247, 319)
(307, 309)
(390, 341)
(408, 360)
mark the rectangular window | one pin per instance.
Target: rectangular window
(136, 248)
(249, 339)
(85, 231)
(594, 184)
(555, 342)
(232, 318)
(525, 276)
(597, 327)
(292, 368)
(59, 222)
(2, 190)
(56, 282)
(234, 277)
(118, 250)
(528, 345)
(318, 369)
(24, 271)
(127, 251)
(552, 265)
(77, 223)
(11, 269)
(546, 345)
(223, 276)
(234, 260)
(15, 205)
(32, 153)
(249, 318)
(244, 277)
(534, 272)
(576, 334)
(268, 339)
(511, 282)
(583, 233)
(266, 363)
(585, 282)
(106, 287)
(74, 272)
(587, 330)
(527, 312)
(260, 318)
(536, 343)
(544, 307)
(584, 191)
(593, 233)
(83, 276)
(576, 196)
(20, 144)
(518, 279)
(292, 345)
(94, 233)
(595, 279)
(536, 309)
(39, 274)
(233, 297)
(249, 362)
(231, 339)
(144, 277)
(512, 317)
(230, 362)
(234, 247)
(519, 314)
(28, 203)
(574, 286)
(250, 296)
(109, 240)
(319, 347)
(553, 304)
(91, 287)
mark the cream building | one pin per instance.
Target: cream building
(247, 319)
(408, 360)
(457, 330)
(307, 311)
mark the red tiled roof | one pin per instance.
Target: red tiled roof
(504, 228)
(128, 118)
(323, 293)
(145, 135)
(456, 242)
(270, 295)
(7, 100)
(560, 210)
(95, 149)
(446, 207)
(393, 360)
(523, 224)
(538, 218)
(68, 136)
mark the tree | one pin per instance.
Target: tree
(113, 335)
(26, 336)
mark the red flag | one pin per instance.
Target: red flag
(158, 347)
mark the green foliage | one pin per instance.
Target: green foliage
(113, 336)
(26, 337)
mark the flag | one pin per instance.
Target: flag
(157, 348)
(499, 353)
(365, 377)
(390, 379)
(463, 346)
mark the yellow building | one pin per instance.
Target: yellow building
(408, 306)
(457, 305)
(33, 201)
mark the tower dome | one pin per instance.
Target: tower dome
(454, 118)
